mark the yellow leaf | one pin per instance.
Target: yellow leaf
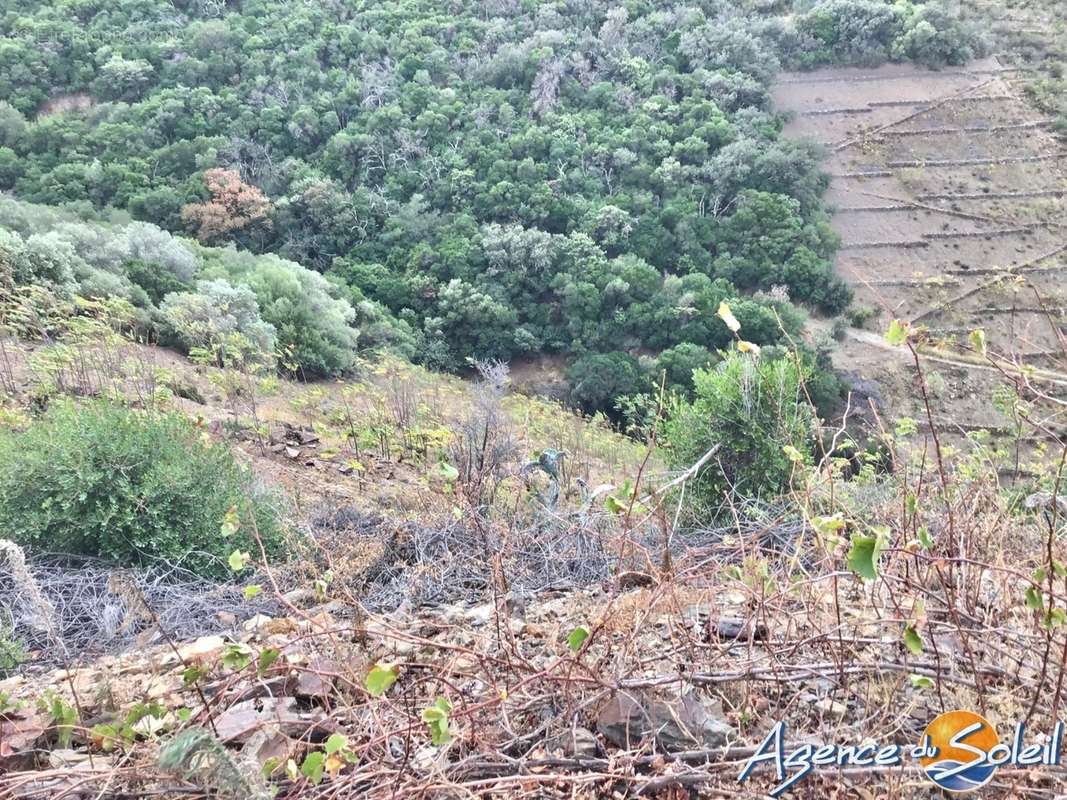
(748, 347)
(727, 316)
(334, 764)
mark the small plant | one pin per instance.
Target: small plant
(199, 758)
(12, 653)
(436, 717)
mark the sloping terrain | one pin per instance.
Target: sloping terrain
(948, 195)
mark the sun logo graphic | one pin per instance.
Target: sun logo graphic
(958, 751)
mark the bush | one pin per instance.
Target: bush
(313, 325)
(751, 408)
(598, 380)
(12, 653)
(678, 364)
(209, 317)
(102, 480)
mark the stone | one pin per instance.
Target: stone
(630, 719)
(240, 721)
(316, 680)
(257, 622)
(269, 743)
(292, 452)
(729, 629)
(202, 650)
(306, 437)
(635, 580)
(575, 743)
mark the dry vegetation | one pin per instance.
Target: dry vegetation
(488, 595)
(483, 639)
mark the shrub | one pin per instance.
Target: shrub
(12, 653)
(313, 325)
(208, 318)
(935, 37)
(598, 380)
(679, 362)
(103, 480)
(751, 408)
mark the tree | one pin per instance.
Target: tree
(598, 380)
(678, 363)
(234, 206)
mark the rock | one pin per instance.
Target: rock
(629, 719)
(389, 644)
(306, 437)
(729, 629)
(316, 680)
(239, 722)
(292, 452)
(300, 598)
(268, 743)
(257, 622)
(226, 618)
(831, 708)
(202, 650)
(277, 448)
(74, 759)
(635, 580)
(575, 743)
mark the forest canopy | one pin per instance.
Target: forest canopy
(494, 178)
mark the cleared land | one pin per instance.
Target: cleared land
(948, 193)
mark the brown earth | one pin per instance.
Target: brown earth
(948, 195)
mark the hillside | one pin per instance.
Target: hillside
(531, 399)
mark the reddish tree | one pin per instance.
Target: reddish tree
(234, 206)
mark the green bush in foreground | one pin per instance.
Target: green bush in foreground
(752, 408)
(103, 480)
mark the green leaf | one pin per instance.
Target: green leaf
(313, 766)
(921, 681)
(924, 538)
(335, 743)
(864, 554)
(1054, 618)
(184, 714)
(192, 675)
(379, 679)
(1034, 599)
(913, 641)
(436, 718)
(252, 591)
(577, 638)
(897, 333)
(793, 454)
(911, 503)
(266, 659)
(238, 560)
(237, 656)
(613, 506)
(978, 341)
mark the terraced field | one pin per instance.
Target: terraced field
(949, 194)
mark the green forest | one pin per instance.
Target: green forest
(454, 182)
